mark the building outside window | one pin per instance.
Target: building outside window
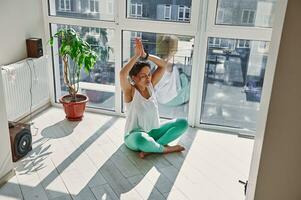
(184, 13)
(243, 44)
(167, 12)
(214, 42)
(93, 30)
(136, 10)
(248, 16)
(65, 5)
(94, 6)
(110, 6)
(136, 34)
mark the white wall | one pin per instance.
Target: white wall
(19, 20)
(5, 150)
(279, 175)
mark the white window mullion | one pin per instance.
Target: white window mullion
(120, 14)
(199, 59)
(45, 7)
(118, 64)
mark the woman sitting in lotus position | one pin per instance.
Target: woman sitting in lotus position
(143, 131)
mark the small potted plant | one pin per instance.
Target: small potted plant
(76, 54)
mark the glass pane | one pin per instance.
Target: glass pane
(164, 10)
(259, 13)
(173, 89)
(83, 9)
(99, 85)
(233, 83)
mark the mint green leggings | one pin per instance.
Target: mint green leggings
(154, 140)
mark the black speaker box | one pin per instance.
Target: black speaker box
(20, 139)
(34, 47)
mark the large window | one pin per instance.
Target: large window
(228, 39)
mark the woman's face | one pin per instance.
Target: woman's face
(143, 78)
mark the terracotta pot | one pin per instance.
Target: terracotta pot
(74, 110)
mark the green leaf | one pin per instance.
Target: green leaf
(51, 41)
(79, 50)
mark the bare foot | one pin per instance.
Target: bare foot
(167, 149)
(175, 148)
(143, 154)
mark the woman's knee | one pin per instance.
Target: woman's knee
(141, 139)
(182, 124)
(135, 140)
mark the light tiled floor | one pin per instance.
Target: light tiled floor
(87, 160)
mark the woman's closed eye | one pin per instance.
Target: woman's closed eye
(145, 75)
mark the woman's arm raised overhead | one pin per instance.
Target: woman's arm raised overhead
(124, 72)
(158, 73)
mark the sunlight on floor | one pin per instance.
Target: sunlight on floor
(88, 160)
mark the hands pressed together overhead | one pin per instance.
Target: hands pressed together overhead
(139, 50)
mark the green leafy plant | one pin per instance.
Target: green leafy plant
(73, 47)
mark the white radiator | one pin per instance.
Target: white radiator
(26, 86)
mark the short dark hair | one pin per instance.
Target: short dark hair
(137, 67)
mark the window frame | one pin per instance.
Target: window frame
(201, 26)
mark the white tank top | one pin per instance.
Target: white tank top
(142, 114)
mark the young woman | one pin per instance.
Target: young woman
(142, 130)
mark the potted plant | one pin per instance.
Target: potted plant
(76, 54)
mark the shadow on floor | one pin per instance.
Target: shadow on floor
(120, 175)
